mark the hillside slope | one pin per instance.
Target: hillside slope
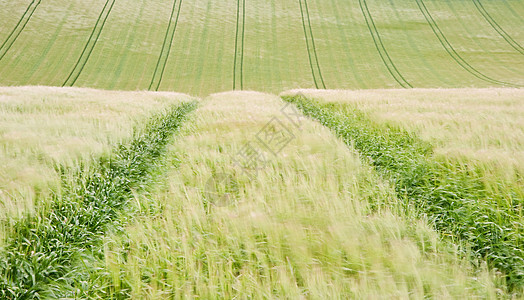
(205, 46)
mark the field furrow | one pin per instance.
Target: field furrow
(203, 57)
(275, 53)
(369, 44)
(129, 61)
(414, 58)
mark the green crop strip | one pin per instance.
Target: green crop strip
(13, 36)
(90, 44)
(451, 50)
(311, 47)
(238, 64)
(166, 47)
(46, 252)
(384, 55)
(453, 198)
(497, 27)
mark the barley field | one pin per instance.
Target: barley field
(240, 149)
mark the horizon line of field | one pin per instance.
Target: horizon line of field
(238, 64)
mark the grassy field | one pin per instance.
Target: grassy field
(137, 160)
(309, 222)
(206, 46)
(475, 126)
(43, 128)
(45, 251)
(464, 172)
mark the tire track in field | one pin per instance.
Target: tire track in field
(452, 52)
(388, 62)
(423, 60)
(311, 47)
(166, 46)
(238, 64)
(471, 33)
(497, 27)
(13, 35)
(90, 44)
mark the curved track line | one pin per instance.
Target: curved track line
(307, 45)
(168, 42)
(452, 52)
(423, 60)
(311, 47)
(239, 43)
(497, 27)
(90, 45)
(313, 44)
(125, 56)
(388, 62)
(13, 36)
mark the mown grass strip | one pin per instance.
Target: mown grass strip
(15, 33)
(238, 64)
(50, 248)
(166, 47)
(311, 47)
(497, 27)
(451, 50)
(90, 44)
(384, 55)
(453, 198)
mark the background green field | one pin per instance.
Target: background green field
(205, 46)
